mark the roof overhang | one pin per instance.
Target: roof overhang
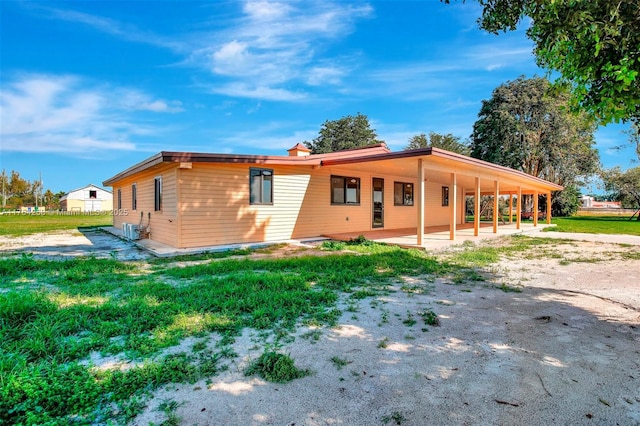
(439, 165)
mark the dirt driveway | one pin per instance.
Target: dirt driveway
(68, 244)
(565, 349)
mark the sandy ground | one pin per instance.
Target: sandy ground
(564, 350)
(67, 244)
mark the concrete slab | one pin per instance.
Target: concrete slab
(163, 250)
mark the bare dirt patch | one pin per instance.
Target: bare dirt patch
(563, 350)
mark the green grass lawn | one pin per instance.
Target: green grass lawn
(15, 225)
(54, 314)
(596, 225)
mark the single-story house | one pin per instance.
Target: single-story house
(190, 200)
(591, 203)
(90, 198)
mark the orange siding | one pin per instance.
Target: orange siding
(163, 223)
(208, 204)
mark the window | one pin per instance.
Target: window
(260, 186)
(157, 191)
(93, 193)
(402, 194)
(345, 190)
(134, 197)
(445, 196)
(119, 199)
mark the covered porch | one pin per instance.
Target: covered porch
(463, 177)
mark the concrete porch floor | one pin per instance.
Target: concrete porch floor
(436, 237)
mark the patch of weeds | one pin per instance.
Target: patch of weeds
(396, 417)
(333, 245)
(201, 256)
(382, 344)
(329, 317)
(430, 318)
(384, 318)
(630, 255)
(413, 289)
(199, 346)
(352, 308)
(410, 321)
(339, 362)
(169, 408)
(464, 275)
(363, 294)
(360, 240)
(409, 337)
(509, 289)
(275, 367)
(312, 335)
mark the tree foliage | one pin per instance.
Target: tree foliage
(625, 186)
(20, 192)
(437, 140)
(565, 202)
(528, 127)
(345, 133)
(593, 44)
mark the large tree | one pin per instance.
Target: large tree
(437, 140)
(593, 44)
(625, 186)
(345, 133)
(527, 126)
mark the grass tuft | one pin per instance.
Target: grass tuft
(275, 367)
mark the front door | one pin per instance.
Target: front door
(378, 203)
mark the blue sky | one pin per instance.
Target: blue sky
(89, 88)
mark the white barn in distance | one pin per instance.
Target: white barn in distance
(90, 198)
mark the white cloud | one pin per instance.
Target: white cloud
(317, 76)
(135, 100)
(271, 45)
(45, 113)
(245, 90)
(106, 25)
(277, 43)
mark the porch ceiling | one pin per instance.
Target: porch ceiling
(438, 170)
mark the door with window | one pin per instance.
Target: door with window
(378, 203)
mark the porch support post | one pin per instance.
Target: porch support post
(510, 207)
(463, 207)
(519, 208)
(453, 211)
(496, 207)
(420, 202)
(549, 208)
(535, 208)
(476, 211)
